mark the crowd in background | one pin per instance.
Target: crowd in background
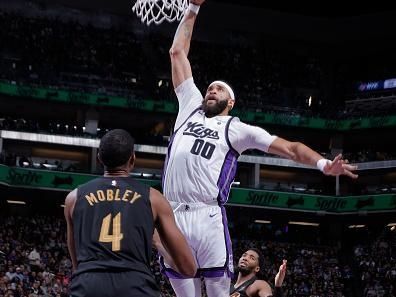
(49, 52)
(377, 266)
(34, 261)
(67, 55)
(52, 52)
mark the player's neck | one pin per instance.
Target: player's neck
(217, 115)
(243, 278)
(120, 172)
(225, 112)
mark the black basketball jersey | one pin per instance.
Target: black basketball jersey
(240, 291)
(113, 226)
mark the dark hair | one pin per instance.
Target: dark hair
(115, 148)
(259, 274)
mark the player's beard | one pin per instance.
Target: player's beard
(244, 270)
(214, 110)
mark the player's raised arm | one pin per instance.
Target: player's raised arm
(181, 69)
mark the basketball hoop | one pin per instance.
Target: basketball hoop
(159, 10)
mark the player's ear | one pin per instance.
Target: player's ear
(131, 161)
(231, 104)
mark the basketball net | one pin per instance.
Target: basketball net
(157, 11)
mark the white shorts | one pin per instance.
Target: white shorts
(206, 230)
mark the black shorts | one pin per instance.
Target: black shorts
(111, 284)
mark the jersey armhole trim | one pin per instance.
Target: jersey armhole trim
(191, 114)
(227, 137)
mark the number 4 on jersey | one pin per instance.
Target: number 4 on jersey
(114, 238)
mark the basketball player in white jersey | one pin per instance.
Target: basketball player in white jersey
(201, 165)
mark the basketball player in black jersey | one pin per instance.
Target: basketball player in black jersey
(248, 285)
(110, 224)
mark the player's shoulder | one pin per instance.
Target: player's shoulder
(72, 194)
(262, 284)
(155, 193)
(71, 197)
(156, 196)
(187, 87)
(260, 287)
(236, 123)
(235, 120)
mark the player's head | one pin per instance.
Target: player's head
(251, 261)
(116, 150)
(219, 99)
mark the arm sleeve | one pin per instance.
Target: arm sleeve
(243, 136)
(189, 97)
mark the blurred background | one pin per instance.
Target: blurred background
(323, 75)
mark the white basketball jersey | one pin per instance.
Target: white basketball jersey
(201, 163)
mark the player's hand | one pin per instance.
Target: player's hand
(197, 2)
(280, 276)
(340, 167)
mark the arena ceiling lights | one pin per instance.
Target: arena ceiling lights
(16, 202)
(304, 223)
(356, 226)
(262, 222)
(392, 226)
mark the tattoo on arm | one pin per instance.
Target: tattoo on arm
(187, 31)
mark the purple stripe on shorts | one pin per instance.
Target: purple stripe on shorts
(171, 273)
(219, 271)
(215, 272)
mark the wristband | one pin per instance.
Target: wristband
(321, 164)
(193, 8)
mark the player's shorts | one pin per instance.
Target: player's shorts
(206, 230)
(110, 284)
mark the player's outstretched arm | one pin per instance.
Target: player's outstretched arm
(181, 68)
(301, 153)
(172, 239)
